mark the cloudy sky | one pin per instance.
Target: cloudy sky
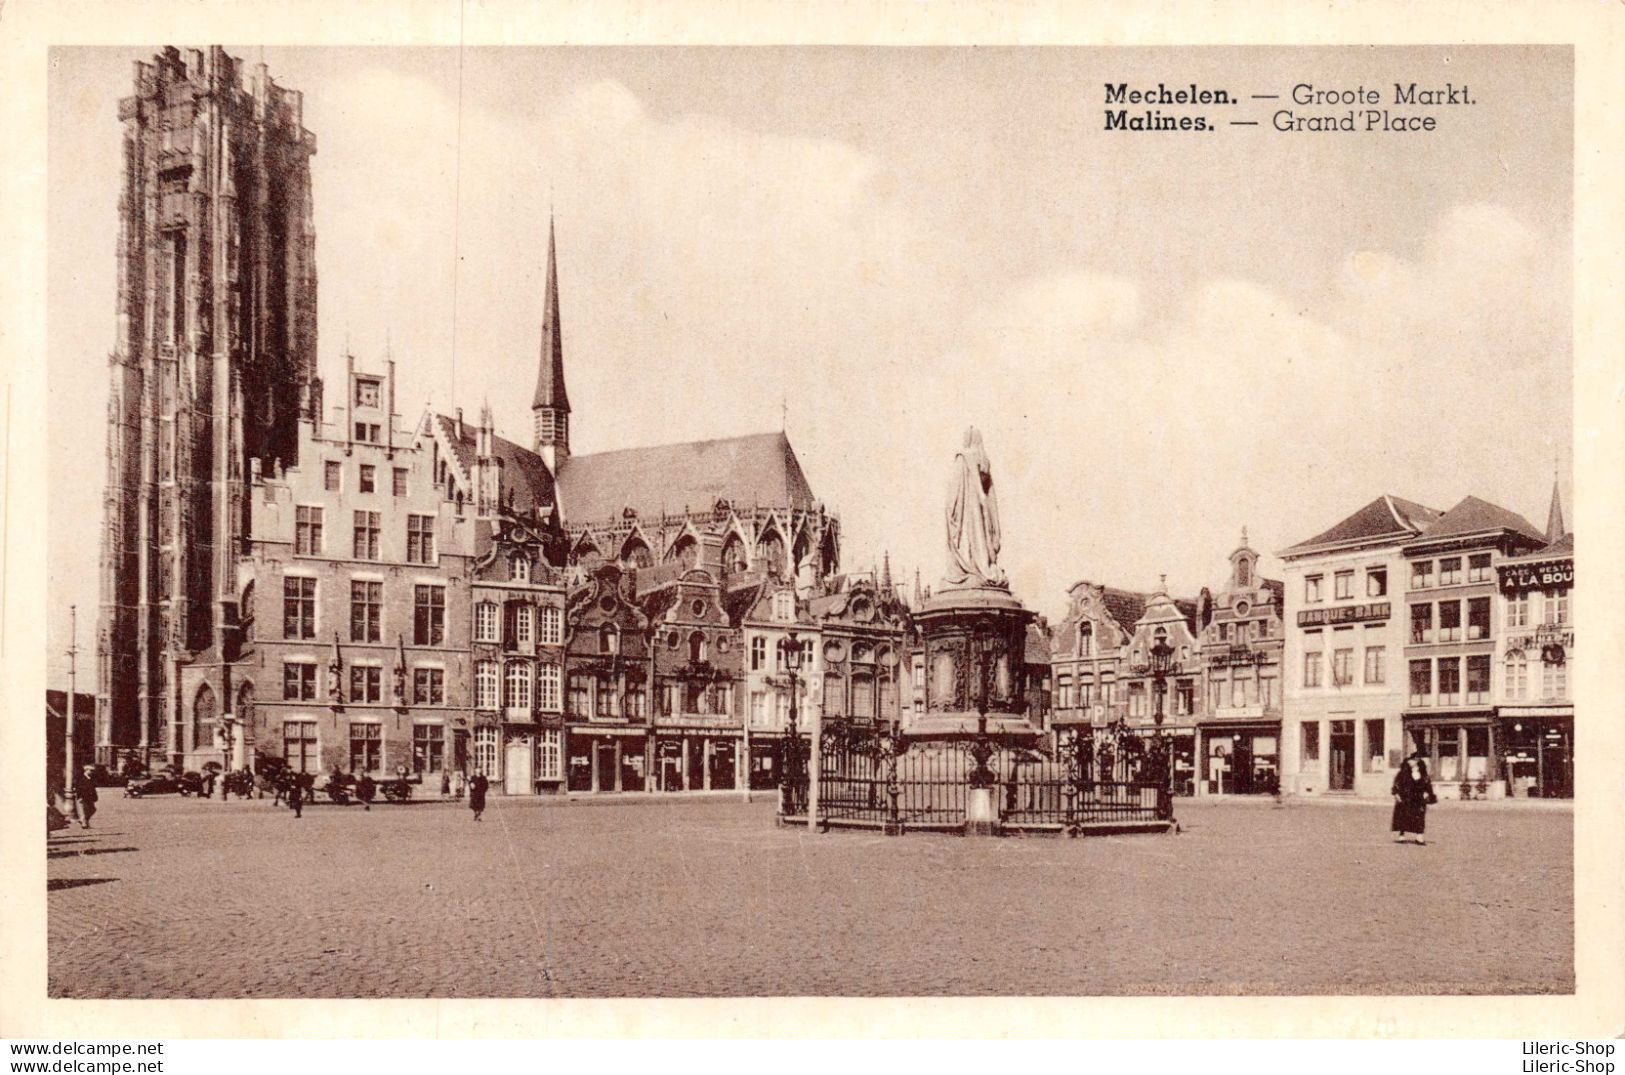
(1163, 337)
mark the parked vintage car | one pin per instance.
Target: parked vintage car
(165, 783)
(103, 777)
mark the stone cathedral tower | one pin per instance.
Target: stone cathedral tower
(214, 361)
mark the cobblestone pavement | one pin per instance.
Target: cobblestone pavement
(180, 898)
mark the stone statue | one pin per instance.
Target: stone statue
(973, 519)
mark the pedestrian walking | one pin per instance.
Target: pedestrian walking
(476, 794)
(84, 789)
(445, 783)
(365, 788)
(208, 784)
(1413, 791)
(279, 786)
(296, 795)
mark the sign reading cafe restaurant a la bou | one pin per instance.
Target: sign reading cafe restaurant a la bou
(1542, 574)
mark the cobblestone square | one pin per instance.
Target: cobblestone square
(181, 898)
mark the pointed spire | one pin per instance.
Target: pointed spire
(885, 571)
(550, 375)
(1554, 517)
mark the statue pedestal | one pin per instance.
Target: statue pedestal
(980, 817)
(974, 640)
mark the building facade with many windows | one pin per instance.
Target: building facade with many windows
(1344, 696)
(1452, 640)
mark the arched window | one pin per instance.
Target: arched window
(636, 554)
(609, 639)
(685, 550)
(696, 647)
(516, 685)
(1517, 675)
(770, 552)
(519, 569)
(204, 712)
(733, 556)
(1086, 639)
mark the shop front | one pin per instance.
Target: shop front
(1538, 753)
(606, 759)
(702, 759)
(1240, 758)
(1461, 752)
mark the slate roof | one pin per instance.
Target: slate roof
(1277, 590)
(747, 471)
(1038, 645)
(1563, 546)
(1473, 516)
(1384, 517)
(523, 471)
(1125, 606)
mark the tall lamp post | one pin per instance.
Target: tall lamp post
(792, 738)
(1161, 664)
(73, 699)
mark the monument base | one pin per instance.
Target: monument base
(980, 817)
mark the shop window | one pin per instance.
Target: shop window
(1478, 754)
(1450, 571)
(1375, 760)
(1421, 624)
(1343, 585)
(1376, 582)
(1449, 621)
(1478, 567)
(1421, 574)
(429, 686)
(549, 754)
(1449, 680)
(1309, 734)
(299, 747)
(1449, 756)
(1376, 665)
(1421, 683)
(1478, 618)
(307, 536)
(428, 748)
(366, 748)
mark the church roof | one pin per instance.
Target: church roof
(523, 471)
(1385, 517)
(671, 478)
(1473, 516)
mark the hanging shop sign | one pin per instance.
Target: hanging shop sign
(1540, 575)
(1373, 610)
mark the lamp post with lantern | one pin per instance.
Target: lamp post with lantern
(1162, 661)
(792, 736)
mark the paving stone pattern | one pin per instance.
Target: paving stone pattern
(181, 898)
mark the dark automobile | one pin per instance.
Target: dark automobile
(103, 777)
(165, 783)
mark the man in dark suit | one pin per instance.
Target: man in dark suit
(84, 789)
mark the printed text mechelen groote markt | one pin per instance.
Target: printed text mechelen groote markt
(1313, 108)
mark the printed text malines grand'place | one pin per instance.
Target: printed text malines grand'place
(1120, 94)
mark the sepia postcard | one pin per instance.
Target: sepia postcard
(1036, 515)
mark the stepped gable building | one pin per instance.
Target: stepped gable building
(214, 356)
(1239, 729)
(1450, 650)
(610, 743)
(1534, 708)
(1342, 729)
(1101, 658)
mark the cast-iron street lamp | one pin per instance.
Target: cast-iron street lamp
(792, 665)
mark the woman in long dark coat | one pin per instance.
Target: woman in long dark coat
(476, 794)
(1413, 791)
